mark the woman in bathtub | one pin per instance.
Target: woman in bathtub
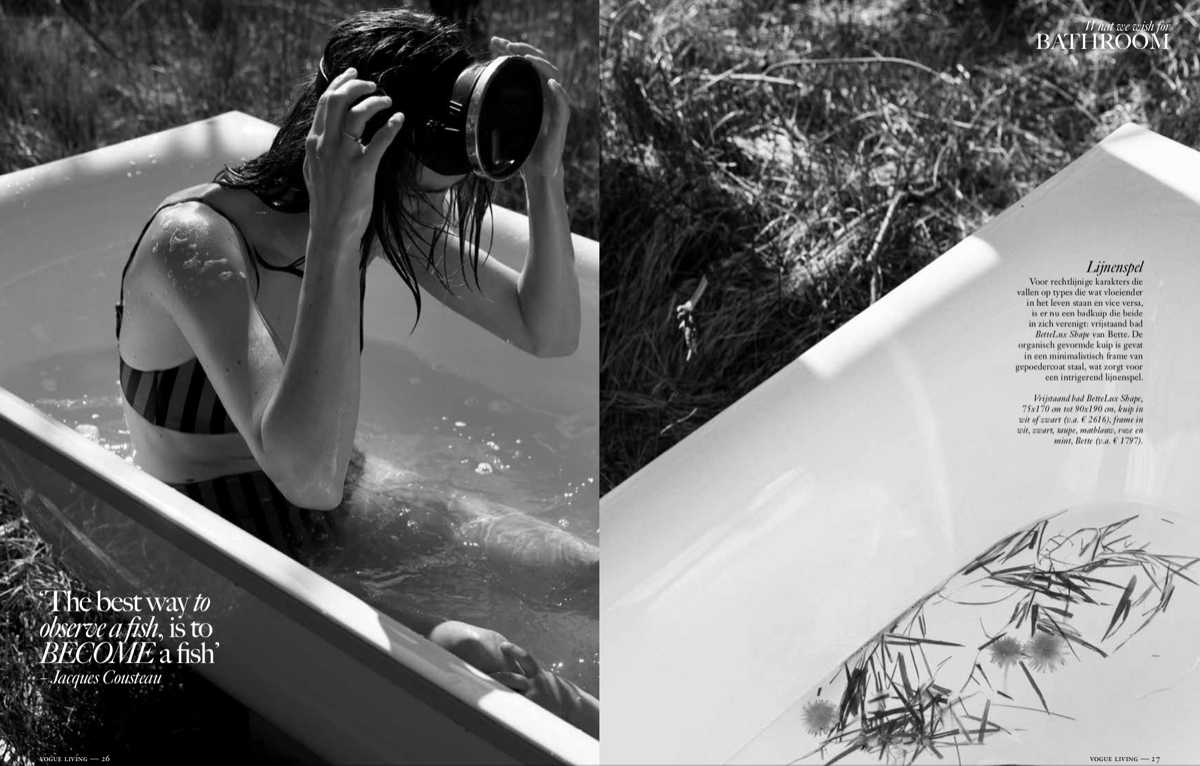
(240, 321)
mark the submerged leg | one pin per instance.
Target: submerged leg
(511, 537)
(506, 535)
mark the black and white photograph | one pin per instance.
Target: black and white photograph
(315, 392)
(900, 400)
(299, 432)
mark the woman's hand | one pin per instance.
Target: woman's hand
(561, 697)
(471, 644)
(339, 170)
(546, 157)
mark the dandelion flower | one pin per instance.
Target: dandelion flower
(1006, 652)
(819, 716)
(1046, 652)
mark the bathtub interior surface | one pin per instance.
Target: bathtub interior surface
(68, 227)
(770, 544)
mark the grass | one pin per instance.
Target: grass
(803, 159)
(185, 715)
(77, 75)
(1064, 585)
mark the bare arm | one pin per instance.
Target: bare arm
(548, 290)
(297, 417)
(538, 308)
(307, 427)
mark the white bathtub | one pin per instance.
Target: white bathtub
(346, 681)
(747, 563)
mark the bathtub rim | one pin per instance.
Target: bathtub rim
(512, 724)
(587, 262)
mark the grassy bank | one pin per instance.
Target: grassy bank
(802, 159)
(77, 75)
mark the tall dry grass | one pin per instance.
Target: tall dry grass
(806, 158)
(77, 75)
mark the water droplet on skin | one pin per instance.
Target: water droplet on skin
(483, 469)
(459, 424)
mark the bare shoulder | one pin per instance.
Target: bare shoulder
(189, 248)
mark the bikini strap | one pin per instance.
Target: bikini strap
(246, 246)
(120, 307)
(291, 268)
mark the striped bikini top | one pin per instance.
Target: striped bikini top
(182, 398)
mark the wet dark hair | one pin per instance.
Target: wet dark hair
(414, 58)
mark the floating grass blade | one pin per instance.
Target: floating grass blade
(1122, 610)
(1065, 635)
(966, 734)
(994, 638)
(985, 678)
(1035, 710)
(1034, 685)
(904, 674)
(902, 640)
(991, 555)
(842, 755)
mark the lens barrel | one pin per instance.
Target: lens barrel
(490, 124)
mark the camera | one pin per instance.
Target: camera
(489, 124)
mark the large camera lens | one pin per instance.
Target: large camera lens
(490, 123)
(510, 118)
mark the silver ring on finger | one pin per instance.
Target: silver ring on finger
(352, 138)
